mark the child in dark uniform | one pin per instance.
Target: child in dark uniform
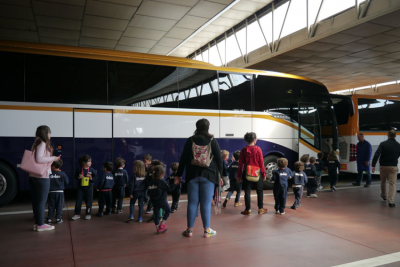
(320, 165)
(149, 178)
(147, 162)
(84, 191)
(55, 200)
(137, 189)
(299, 180)
(176, 193)
(234, 185)
(120, 180)
(225, 166)
(311, 172)
(158, 191)
(281, 177)
(106, 184)
(333, 169)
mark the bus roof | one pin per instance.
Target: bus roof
(129, 57)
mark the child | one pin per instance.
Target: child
(225, 166)
(158, 191)
(320, 165)
(299, 180)
(176, 193)
(106, 184)
(281, 177)
(333, 169)
(137, 189)
(120, 180)
(147, 162)
(311, 173)
(55, 200)
(234, 185)
(150, 176)
(85, 190)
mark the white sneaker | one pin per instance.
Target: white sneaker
(313, 196)
(45, 227)
(282, 213)
(277, 212)
(76, 217)
(321, 187)
(210, 233)
(149, 212)
(87, 217)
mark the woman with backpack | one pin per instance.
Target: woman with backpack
(202, 158)
(251, 167)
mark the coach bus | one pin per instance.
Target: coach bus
(373, 116)
(112, 104)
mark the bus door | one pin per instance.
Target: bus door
(93, 135)
(309, 133)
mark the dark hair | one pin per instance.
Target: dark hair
(119, 162)
(202, 127)
(320, 155)
(147, 157)
(298, 166)
(108, 165)
(84, 159)
(174, 166)
(139, 169)
(361, 134)
(57, 164)
(236, 154)
(313, 159)
(156, 162)
(42, 135)
(282, 162)
(250, 137)
(392, 134)
(158, 170)
(304, 158)
(332, 155)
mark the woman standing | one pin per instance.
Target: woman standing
(201, 175)
(251, 157)
(40, 186)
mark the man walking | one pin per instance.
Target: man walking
(364, 153)
(388, 154)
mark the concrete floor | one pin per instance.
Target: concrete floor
(349, 225)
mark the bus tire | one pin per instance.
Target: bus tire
(270, 163)
(8, 184)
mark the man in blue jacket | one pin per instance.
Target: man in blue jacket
(364, 153)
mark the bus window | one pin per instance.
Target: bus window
(378, 114)
(310, 127)
(12, 76)
(343, 108)
(235, 91)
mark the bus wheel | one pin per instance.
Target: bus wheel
(271, 164)
(8, 184)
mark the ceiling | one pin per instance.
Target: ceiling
(144, 26)
(362, 55)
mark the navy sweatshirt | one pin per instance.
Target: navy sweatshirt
(158, 189)
(310, 170)
(320, 165)
(281, 177)
(299, 178)
(225, 166)
(171, 181)
(58, 180)
(120, 177)
(333, 166)
(137, 184)
(85, 171)
(233, 170)
(106, 181)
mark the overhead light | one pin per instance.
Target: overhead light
(204, 25)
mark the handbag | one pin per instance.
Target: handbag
(30, 165)
(85, 180)
(253, 173)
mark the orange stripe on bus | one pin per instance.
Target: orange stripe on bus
(94, 110)
(36, 108)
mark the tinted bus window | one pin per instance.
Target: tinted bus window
(310, 127)
(378, 114)
(235, 91)
(12, 76)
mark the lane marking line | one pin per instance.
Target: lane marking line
(372, 262)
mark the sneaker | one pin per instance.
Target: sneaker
(107, 213)
(172, 210)
(320, 187)
(59, 221)
(150, 220)
(48, 221)
(149, 212)
(392, 205)
(226, 201)
(140, 220)
(76, 217)
(334, 188)
(187, 233)
(210, 233)
(282, 213)
(45, 227)
(293, 207)
(308, 196)
(120, 211)
(162, 228)
(246, 212)
(356, 184)
(313, 196)
(130, 218)
(35, 227)
(238, 204)
(262, 211)
(277, 212)
(88, 217)
(384, 198)
(99, 214)
(114, 210)
(367, 185)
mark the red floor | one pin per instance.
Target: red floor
(337, 228)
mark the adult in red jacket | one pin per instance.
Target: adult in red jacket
(251, 155)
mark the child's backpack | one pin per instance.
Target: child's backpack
(202, 154)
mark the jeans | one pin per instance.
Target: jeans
(55, 202)
(360, 176)
(247, 193)
(158, 205)
(319, 178)
(84, 193)
(137, 195)
(40, 190)
(235, 186)
(105, 198)
(199, 190)
(118, 194)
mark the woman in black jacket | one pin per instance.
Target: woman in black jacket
(201, 175)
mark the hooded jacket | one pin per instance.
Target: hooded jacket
(251, 155)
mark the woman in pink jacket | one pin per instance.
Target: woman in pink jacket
(40, 186)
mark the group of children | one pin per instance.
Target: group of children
(307, 171)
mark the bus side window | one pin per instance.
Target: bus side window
(12, 76)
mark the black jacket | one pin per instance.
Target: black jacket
(212, 172)
(137, 184)
(85, 171)
(333, 166)
(389, 152)
(320, 165)
(120, 177)
(158, 189)
(225, 166)
(233, 170)
(58, 180)
(106, 181)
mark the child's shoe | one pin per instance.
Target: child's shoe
(76, 217)
(120, 211)
(238, 204)
(45, 227)
(187, 233)
(130, 218)
(149, 212)
(48, 221)
(313, 196)
(162, 228)
(150, 220)
(262, 211)
(246, 212)
(88, 217)
(35, 227)
(172, 210)
(277, 212)
(99, 214)
(59, 221)
(107, 213)
(308, 196)
(293, 207)
(282, 212)
(226, 201)
(210, 233)
(140, 220)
